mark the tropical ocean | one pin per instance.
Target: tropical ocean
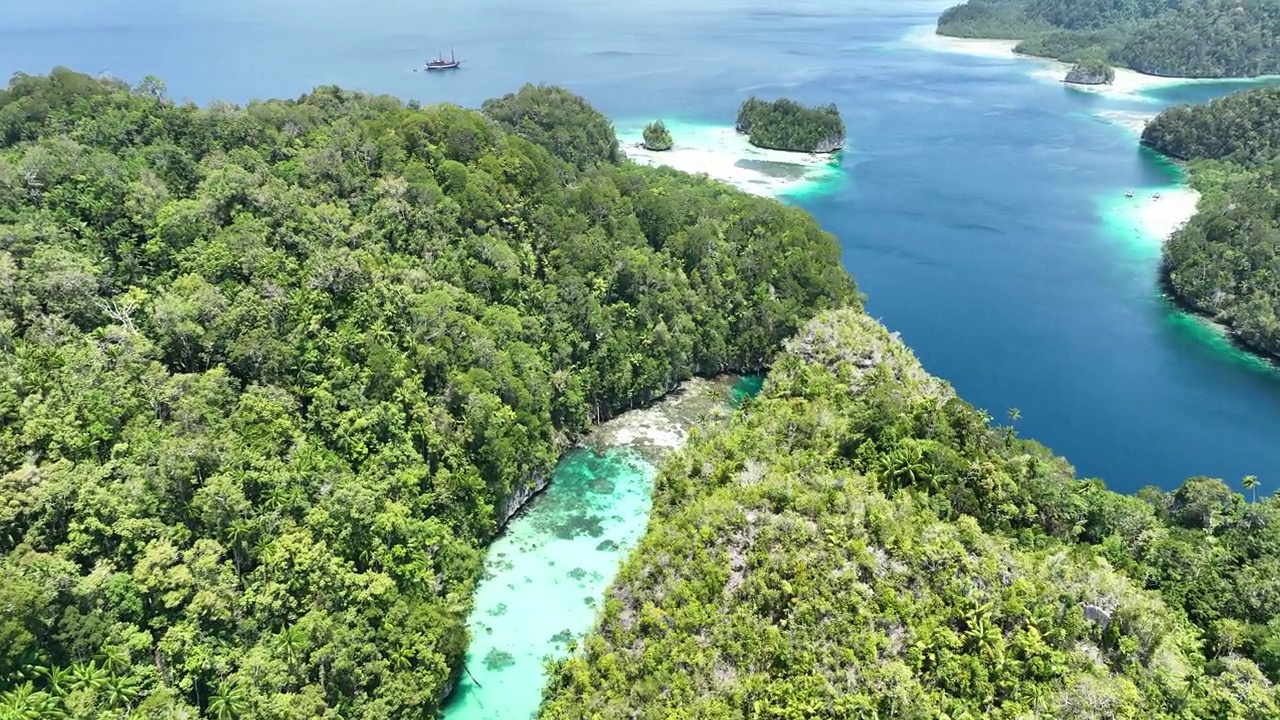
(976, 205)
(979, 204)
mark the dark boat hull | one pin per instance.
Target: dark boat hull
(444, 66)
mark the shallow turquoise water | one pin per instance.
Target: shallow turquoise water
(748, 386)
(1138, 249)
(545, 576)
(716, 149)
(976, 205)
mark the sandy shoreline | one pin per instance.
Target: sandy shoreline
(723, 154)
(1129, 84)
(1154, 218)
(1158, 218)
(1131, 120)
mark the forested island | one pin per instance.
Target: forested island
(1206, 38)
(784, 124)
(1225, 262)
(657, 137)
(271, 376)
(861, 543)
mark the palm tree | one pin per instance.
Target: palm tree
(238, 531)
(87, 676)
(902, 466)
(227, 703)
(115, 658)
(120, 690)
(1015, 415)
(60, 680)
(25, 701)
(1251, 483)
(291, 641)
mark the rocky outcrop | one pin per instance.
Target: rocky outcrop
(1089, 75)
(657, 137)
(853, 345)
(521, 495)
(829, 144)
(652, 428)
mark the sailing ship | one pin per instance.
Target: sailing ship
(441, 64)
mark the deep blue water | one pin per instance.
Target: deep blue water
(970, 213)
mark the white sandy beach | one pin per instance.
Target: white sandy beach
(1131, 120)
(725, 155)
(1128, 84)
(1158, 218)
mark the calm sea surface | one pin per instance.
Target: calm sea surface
(973, 208)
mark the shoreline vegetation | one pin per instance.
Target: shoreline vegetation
(272, 371)
(860, 542)
(791, 566)
(1156, 218)
(1207, 39)
(1224, 264)
(1178, 219)
(1091, 71)
(723, 154)
(574, 532)
(788, 126)
(1126, 81)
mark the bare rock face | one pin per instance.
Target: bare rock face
(830, 144)
(854, 345)
(523, 494)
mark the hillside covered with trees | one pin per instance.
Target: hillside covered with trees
(1225, 262)
(784, 124)
(861, 543)
(1200, 38)
(269, 375)
(1242, 128)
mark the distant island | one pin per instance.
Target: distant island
(1225, 262)
(657, 137)
(1211, 38)
(791, 126)
(276, 375)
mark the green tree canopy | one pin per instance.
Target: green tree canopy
(860, 543)
(559, 121)
(1225, 262)
(784, 124)
(657, 136)
(271, 375)
(1206, 38)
